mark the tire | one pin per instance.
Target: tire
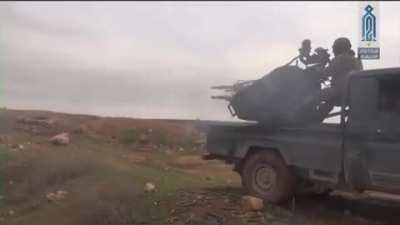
(265, 175)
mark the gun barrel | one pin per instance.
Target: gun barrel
(222, 87)
(222, 97)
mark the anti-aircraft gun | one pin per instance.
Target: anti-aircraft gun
(288, 95)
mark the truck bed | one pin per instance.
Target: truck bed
(253, 130)
(317, 147)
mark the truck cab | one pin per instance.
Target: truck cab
(360, 153)
(371, 140)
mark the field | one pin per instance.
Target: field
(100, 178)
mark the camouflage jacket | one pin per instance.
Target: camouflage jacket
(340, 67)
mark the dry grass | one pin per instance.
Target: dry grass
(159, 137)
(116, 203)
(43, 172)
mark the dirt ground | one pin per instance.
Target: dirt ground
(100, 178)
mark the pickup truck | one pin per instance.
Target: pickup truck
(360, 153)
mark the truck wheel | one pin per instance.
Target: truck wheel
(266, 175)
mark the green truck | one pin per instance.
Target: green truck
(361, 153)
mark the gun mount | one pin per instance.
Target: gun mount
(287, 95)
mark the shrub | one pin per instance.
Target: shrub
(129, 136)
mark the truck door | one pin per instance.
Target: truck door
(372, 140)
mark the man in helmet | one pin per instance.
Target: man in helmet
(341, 65)
(304, 51)
(320, 56)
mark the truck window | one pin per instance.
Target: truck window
(388, 106)
(363, 102)
(389, 96)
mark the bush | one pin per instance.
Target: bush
(161, 138)
(188, 141)
(129, 136)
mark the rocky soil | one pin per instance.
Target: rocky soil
(77, 169)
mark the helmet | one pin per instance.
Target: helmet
(305, 48)
(306, 42)
(341, 45)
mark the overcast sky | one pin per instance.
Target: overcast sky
(159, 59)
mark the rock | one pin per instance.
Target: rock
(156, 203)
(143, 139)
(172, 220)
(16, 147)
(60, 139)
(169, 152)
(213, 219)
(59, 195)
(250, 203)
(11, 212)
(149, 187)
(51, 196)
(62, 193)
